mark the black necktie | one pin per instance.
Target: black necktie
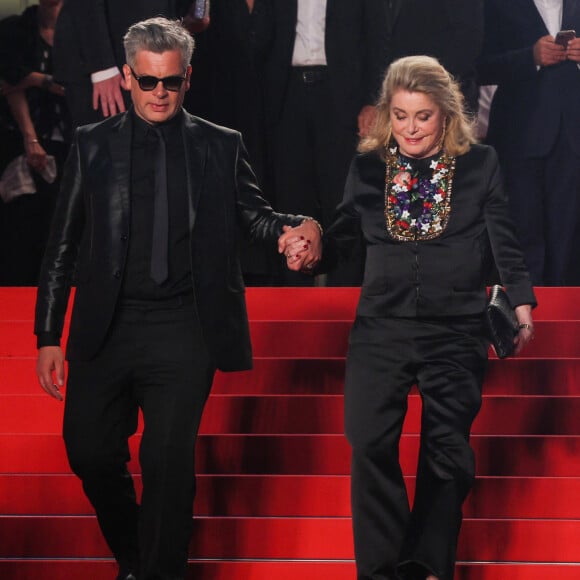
(159, 247)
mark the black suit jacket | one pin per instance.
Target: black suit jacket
(530, 106)
(91, 230)
(445, 276)
(355, 47)
(449, 30)
(89, 33)
(227, 72)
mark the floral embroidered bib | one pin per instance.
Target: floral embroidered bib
(417, 207)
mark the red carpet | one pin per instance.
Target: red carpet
(273, 498)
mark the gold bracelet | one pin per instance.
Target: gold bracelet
(311, 219)
(33, 141)
(526, 326)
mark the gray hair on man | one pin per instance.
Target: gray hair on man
(158, 35)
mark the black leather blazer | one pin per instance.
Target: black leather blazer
(445, 276)
(90, 234)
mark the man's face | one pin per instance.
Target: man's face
(160, 104)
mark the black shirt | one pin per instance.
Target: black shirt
(137, 283)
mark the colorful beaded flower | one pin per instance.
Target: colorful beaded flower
(416, 207)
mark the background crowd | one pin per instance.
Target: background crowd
(299, 79)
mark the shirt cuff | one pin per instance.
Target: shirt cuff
(47, 339)
(103, 75)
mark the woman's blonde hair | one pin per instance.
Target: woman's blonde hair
(422, 74)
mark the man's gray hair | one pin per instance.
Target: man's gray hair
(158, 35)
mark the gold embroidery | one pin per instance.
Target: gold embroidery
(403, 187)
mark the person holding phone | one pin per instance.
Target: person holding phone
(532, 53)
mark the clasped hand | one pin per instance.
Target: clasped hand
(301, 246)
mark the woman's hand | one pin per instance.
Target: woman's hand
(35, 155)
(301, 245)
(526, 331)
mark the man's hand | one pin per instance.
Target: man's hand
(50, 363)
(547, 52)
(108, 95)
(366, 118)
(301, 245)
(573, 50)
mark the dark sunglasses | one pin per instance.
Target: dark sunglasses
(148, 83)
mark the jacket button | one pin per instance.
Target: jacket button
(117, 274)
(124, 238)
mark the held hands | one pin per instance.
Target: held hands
(526, 333)
(107, 94)
(51, 360)
(301, 245)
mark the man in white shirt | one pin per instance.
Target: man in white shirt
(327, 60)
(535, 126)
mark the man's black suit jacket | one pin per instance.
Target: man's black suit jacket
(530, 106)
(355, 47)
(449, 30)
(91, 232)
(444, 276)
(89, 33)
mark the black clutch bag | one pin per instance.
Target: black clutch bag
(502, 323)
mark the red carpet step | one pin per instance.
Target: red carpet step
(284, 570)
(290, 538)
(522, 456)
(320, 339)
(317, 414)
(298, 496)
(270, 376)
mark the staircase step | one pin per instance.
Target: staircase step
(55, 569)
(518, 456)
(297, 496)
(267, 303)
(290, 538)
(295, 376)
(320, 414)
(317, 339)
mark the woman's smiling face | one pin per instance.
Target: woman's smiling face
(417, 123)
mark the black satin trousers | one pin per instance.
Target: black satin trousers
(446, 358)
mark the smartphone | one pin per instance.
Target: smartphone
(201, 8)
(565, 36)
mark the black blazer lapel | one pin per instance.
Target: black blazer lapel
(196, 156)
(529, 7)
(120, 149)
(330, 6)
(394, 8)
(571, 15)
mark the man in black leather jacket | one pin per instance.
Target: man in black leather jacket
(140, 338)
